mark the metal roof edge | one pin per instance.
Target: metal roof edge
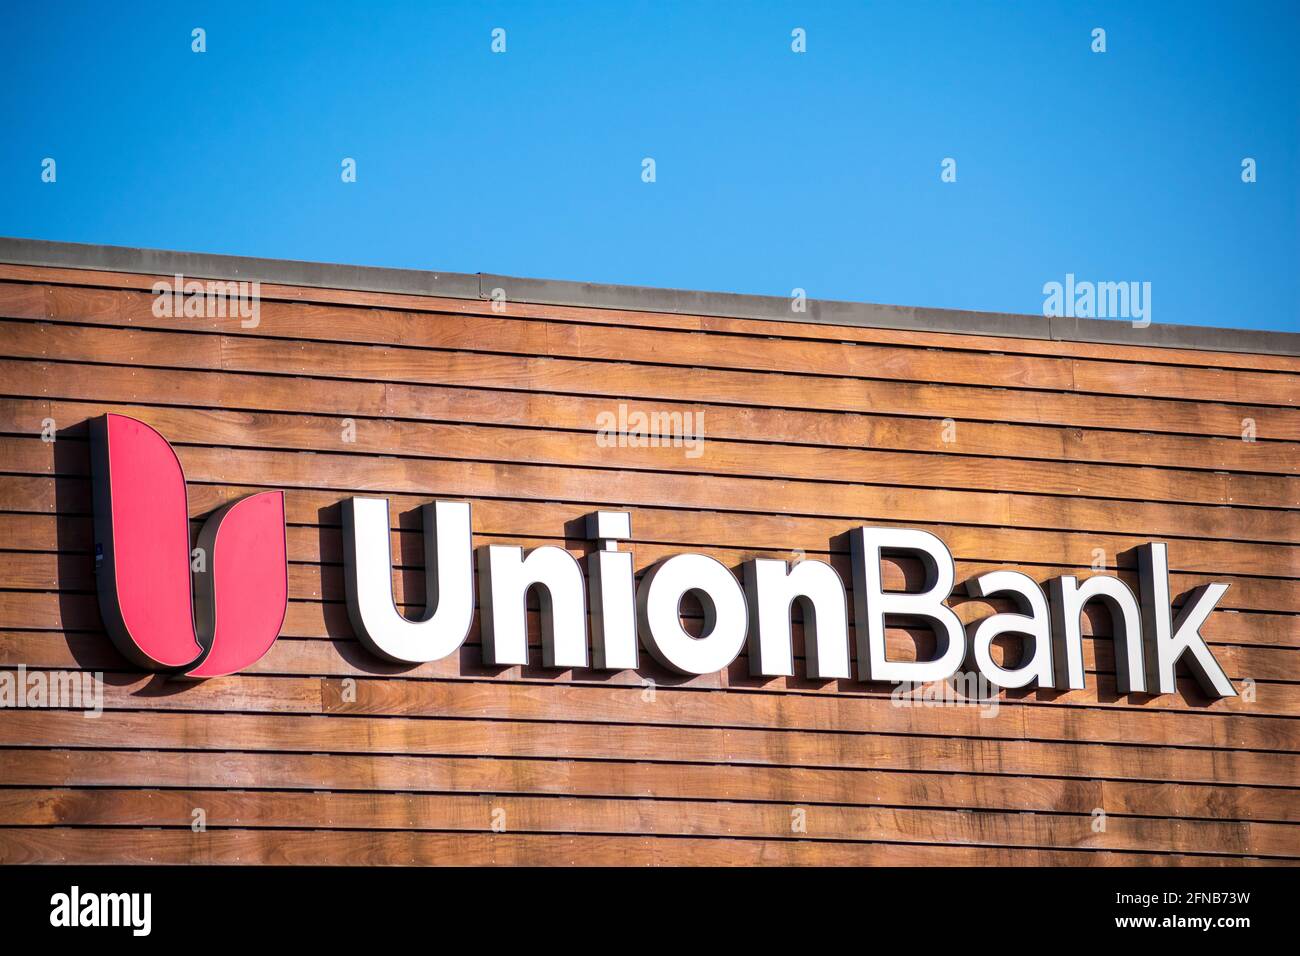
(456, 285)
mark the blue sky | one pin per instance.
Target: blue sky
(774, 170)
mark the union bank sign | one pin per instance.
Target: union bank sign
(220, 607)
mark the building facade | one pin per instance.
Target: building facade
(732, 427)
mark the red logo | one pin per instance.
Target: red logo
(233, 612)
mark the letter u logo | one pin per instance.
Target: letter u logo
(233, 613)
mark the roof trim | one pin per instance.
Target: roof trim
(455, 285)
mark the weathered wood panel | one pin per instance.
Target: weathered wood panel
(1052, 457)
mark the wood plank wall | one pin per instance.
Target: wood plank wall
(1064, 453)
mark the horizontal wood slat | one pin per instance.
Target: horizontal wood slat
(27, 282)
(339, 655)
(72, 611)
(983, 716)
(495, 813)
(306, 767)
(384, 401)
(610, 488)
(526, 336)
(61, 507)
(588, 700)
(421, 440)
(331, 847)
(680, 385)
